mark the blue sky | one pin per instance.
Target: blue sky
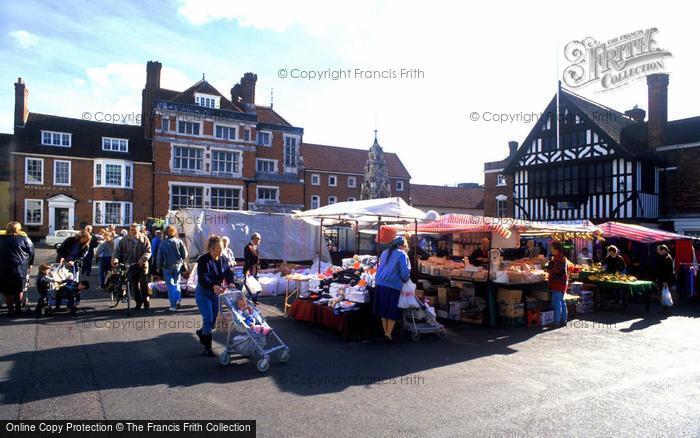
(90, 56)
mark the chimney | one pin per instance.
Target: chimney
(21, 103)
(236, 94)
(248, 88)
(658, 109)
(148, 96)
(512, 148)
(637, 114)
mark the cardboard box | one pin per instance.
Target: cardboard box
(480, 275)
(541, 295)
(546, 318)
(474, 318)
(511, 310)
(509, 296)
(445, 295)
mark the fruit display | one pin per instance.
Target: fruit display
(617, 277)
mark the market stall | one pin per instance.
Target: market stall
(339, 298)
(507, 288)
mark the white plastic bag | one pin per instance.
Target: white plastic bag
(252, 285)
(407, 299)
(666, 299)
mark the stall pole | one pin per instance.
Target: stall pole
(491, 288)
(357, 236)
(379, 229)
(320, 245)
(414, 265)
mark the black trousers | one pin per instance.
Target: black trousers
(139, 283)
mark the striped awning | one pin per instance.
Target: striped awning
(638, 233)
(462, 223)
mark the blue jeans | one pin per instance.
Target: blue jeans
(104, 265)
(208, 303)
(172, 281)
(559, 307)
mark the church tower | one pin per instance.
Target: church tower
(376, 183)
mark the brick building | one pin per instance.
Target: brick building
(605, 165)
(445, 200)
(68, 173)
(335, 174)
(5, 173)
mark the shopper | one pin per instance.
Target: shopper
(251, 256)
(531, 251)
(135, 250)
(558, 282)
(104, 252)
(16, 259)
(172, 256)
(393, 271)
(155, 244)
(214, 275)
(480, 256)
(87, 260)
(665, 275)
(43, 286)
(74, 251)
(614, 263)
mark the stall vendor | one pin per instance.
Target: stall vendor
(531, 251)
(614, 263)
(442, 250)
(480, 256)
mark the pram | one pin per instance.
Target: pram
(419, 320)
(63, 275)
(241, 339)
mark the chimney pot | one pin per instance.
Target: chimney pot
(248, 88)
(512, 148)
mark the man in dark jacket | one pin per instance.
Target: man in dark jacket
(251, 255)
(16, 259)
(74, 249)
(135, 250)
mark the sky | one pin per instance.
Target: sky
(488, 58)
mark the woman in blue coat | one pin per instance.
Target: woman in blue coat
(394, 270)
(16, 259)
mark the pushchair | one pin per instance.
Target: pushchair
(244, 341)
(62, 275)
(420, 320)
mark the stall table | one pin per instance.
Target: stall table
(639, 287)
(357, 324)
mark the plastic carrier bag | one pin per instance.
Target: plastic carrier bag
(666, 299)
(407, 299)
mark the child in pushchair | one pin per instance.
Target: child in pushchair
(56, 283)
(248, 331)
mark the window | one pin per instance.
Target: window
(352, 182)
(266, 166)
(399, 186)
(332, 200)
(165, 124)
(332, 180)
(264, 138)
(188, 159)
(501, 180)
(206, 100)
(225, 132)
(290, 151)
(109, 212)
(267, 194)
(315, 202)
(501, 206)
(223, 198)
(115, 144)
(113, 173)
(225, 162)
(571, 180)
(246, 134)
(315, 179)
(34, 171)
(351, 199)
(51, 138)
(186, 197)
(61, 173)
(33, 211)
(191, 128)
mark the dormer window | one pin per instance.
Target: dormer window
(50, 138)
(115, 144)
(207, 100)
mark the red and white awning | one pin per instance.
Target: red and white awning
(638, 233)
(462, 223)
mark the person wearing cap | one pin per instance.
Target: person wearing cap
(558, 282)
(394, 270)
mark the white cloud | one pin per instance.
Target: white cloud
(24, 39)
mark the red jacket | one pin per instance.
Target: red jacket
(558, 273)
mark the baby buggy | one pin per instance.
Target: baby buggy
(243, 340)
(62, 275)
(420, 320)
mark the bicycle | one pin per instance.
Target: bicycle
(118, 286)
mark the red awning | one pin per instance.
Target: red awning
(638, 233)
(462, 223)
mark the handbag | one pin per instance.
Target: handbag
(407, 299)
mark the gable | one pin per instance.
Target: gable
(586, 131)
